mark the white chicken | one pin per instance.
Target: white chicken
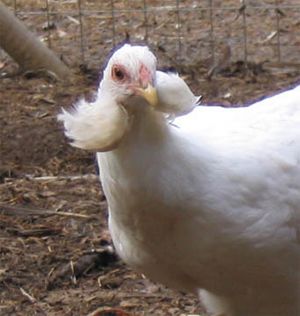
(209, 203)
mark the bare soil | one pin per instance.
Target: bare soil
(56, 253)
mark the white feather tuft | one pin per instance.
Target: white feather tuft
(174, 95)
(97, 126)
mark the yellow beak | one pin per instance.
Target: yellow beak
(149, 94)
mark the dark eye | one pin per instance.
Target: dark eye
(118, 73)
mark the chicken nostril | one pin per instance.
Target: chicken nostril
(145, 76)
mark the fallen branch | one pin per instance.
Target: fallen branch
(73, 270)
(25, 47)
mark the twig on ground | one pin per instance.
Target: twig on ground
(32, 300)
(22, 211)
(28, 296)
(57, 178)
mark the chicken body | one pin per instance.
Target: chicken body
(212, 201)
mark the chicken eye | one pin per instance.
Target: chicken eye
(118, 73)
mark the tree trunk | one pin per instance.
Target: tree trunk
(25, 48)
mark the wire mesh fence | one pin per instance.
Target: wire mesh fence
(210, 31)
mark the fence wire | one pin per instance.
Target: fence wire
(211, 30)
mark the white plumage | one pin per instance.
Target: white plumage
(208, 204)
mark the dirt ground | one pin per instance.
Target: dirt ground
(56, 253)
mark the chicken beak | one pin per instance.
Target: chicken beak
(149, 94)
